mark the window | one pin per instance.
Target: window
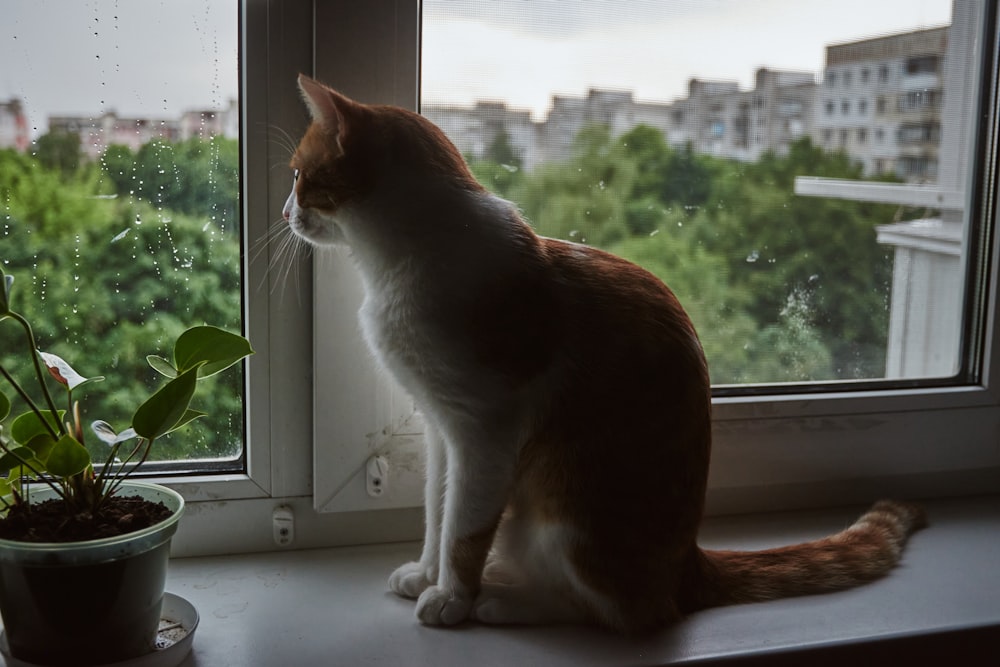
(815, 435)
(862, 106)
(919, 100)
(883, 73)
(845, 107)
(919, 133)
(924, 64)
(868, 425)
(829, 107)
(121, 201)
(118, 75)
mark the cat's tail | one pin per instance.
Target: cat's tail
(865, 551)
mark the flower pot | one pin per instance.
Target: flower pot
(87, 603)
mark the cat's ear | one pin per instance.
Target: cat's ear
(326, 106)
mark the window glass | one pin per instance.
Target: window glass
(119, 196)
(627, 126)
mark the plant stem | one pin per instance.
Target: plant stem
(38, 368)
(31, 403)
(30, 467)
(120, 477)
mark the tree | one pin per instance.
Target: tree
(197, 177)
(783, 288)
(776, 243)
(582, 200)
(118, 164)
(501, 150)
(59, 151)
(114, 280)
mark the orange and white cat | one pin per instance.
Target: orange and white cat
(565, 393)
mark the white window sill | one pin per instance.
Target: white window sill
(331, 606)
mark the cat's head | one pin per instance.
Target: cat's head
(354, 154)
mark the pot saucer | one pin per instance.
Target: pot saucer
(178, 621)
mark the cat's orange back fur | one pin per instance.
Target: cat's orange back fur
(566, 393)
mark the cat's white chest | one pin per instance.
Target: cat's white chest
(400, 338)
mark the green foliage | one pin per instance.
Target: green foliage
(46, 445)
(60, 152)
(107, 280)
(782, 288)
(197, 177)
(502, 151)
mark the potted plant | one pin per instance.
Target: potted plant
(83, 548)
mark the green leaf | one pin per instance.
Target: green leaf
(164, 410)
(216, 348)
(4, 406)
(28, 425)
(41, 445)
(189, 416)
(161, 366)
(68, 457)
(15, 458)
(24, 471)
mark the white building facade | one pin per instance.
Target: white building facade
(881, 102)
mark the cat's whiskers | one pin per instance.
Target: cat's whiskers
(288, 252)
(283, 246)
(283, 140)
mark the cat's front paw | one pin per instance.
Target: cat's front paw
(411, 579)
(443, 606)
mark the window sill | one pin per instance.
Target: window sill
(331, 606)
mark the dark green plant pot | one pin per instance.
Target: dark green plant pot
(88, 603)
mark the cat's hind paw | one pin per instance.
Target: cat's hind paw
(442, 606)
(411, 579)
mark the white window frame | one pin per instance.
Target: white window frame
(232, 513)
(323, 420)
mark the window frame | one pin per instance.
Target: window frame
(781, 451)
(773, 452)
(277, 398)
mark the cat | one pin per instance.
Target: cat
(565, 392)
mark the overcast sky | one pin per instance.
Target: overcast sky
(523, 51)
(138, 57)
(158, 58)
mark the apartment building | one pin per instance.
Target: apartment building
(881, 101)
(14, 125)
(474, 130)
(96, 134)
(717, 118)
